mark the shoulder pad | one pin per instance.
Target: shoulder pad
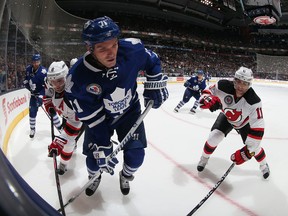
(226, 86)
(251, 97)
(131, 43)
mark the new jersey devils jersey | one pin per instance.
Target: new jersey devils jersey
(64, 109)
(241, 111)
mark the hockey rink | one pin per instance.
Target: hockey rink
(168, 182)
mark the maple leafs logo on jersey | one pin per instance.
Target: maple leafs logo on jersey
(233, 115)
(119, 100)
(69, 84)
(43, 71)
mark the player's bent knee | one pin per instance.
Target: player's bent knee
(134, 157)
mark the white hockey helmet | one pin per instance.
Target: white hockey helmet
(244, 74)
(57, 70)
(73, 61)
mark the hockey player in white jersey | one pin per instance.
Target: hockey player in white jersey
(54, 99)
(242, 110)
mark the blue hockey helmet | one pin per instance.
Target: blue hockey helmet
(200, 72)
(99, 30)
(36, 57)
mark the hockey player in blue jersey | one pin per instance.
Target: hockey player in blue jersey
(102, 89)
(34, 82)
(208, 77)
(194, 86)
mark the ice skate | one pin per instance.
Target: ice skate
(192, 111)
(93, 187)
(32, 133)
(124, 183)
(265, 170)
(61, 169)
(202, 163)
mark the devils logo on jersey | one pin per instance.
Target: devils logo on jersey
(233, 115)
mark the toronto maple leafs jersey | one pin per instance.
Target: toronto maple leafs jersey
(196, 84)
(100, 97)
(241, 111)
(34, 80)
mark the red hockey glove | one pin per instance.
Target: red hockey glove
(210, 102)
(56, 146)
(242, 155)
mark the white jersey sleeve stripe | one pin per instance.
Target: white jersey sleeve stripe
(93, 124)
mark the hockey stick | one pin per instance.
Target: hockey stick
(116, 151)
(82, 129)
(211, 191)
(50, 118)
(55, 171)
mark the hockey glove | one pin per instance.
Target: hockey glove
(155, 90)
(242, 155)
(56, 146)
(210, 102)
(103, 160)
(187, 84)
(52, 111)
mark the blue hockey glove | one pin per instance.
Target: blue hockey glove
(155, 90)
(187, 84)
(103, 160)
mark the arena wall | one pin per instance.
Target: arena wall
(14, 107)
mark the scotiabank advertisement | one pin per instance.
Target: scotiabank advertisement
(14, 106)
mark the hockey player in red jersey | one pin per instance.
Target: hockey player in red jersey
(55, 101)
(242, 110)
